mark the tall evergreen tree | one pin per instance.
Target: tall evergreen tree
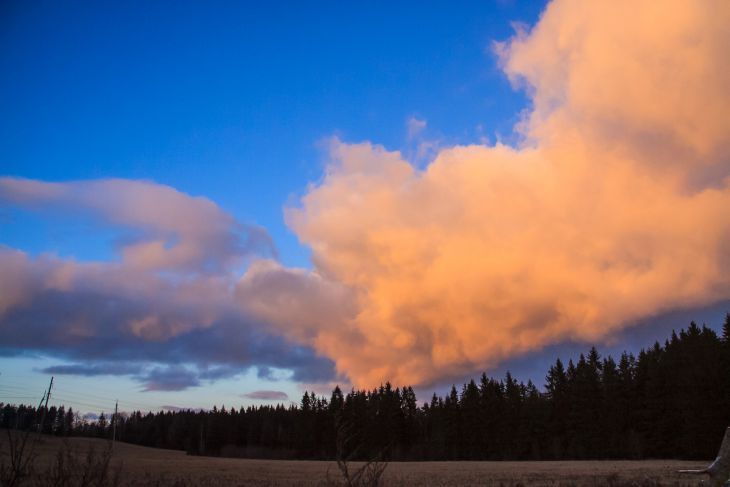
(673, 400)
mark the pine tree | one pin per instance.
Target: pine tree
(725, 362)
(556, 380)
(69, 422)
(673, 400)
(101, 425)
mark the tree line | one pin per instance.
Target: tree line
(670, 401)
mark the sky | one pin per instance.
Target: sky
(230, 204)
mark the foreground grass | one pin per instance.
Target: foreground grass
(141, 466)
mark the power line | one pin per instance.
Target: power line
(123, 401)
(73, 397)
(26, 388)
(13, 384)
(90, 405)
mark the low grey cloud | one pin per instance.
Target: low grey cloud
(93, 369)
(95, 333)
(171, 408)
(266, 396)
(168, 301)
(169, 378)
(175, 409)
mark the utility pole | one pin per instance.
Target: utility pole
(45, 407)
(114, 423)
(17, 416)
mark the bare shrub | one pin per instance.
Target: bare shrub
(16, 464)
(69, 468)
(348, 447)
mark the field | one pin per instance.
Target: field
(149, 466)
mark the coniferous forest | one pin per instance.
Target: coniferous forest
(670, 401)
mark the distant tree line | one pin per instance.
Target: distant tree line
(672, 401)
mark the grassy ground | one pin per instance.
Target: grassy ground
(149, 466)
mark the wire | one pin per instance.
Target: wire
(15, 390)
(5, 383)
(75, 401)
(3, 386)
(121, 401)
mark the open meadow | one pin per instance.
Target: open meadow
(149, 466)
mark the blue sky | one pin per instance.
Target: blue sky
(230, 100)
(234, 102)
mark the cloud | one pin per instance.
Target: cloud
(169, 378)
(613, 209)
(177, 409)
(647, 81)
(281, 296)
(415, 126)
(170, 307)
(172, 230)
(174, 409)
(153, 377)
(93, 369)
(266, 396)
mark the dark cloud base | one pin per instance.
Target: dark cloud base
(227, 348)
(266, 396)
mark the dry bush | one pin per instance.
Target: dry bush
(19, 465)
(72, 469)
(370, 474)
(16, 464)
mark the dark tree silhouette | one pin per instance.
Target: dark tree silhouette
(673, 400)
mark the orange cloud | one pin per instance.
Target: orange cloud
(616, 207)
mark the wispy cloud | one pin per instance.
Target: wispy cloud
(415, 126)
(94, 369)
(266, 396)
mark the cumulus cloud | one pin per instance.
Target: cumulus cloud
(281, 296)
(169, 306)
(615, 207)
(643, 79)
(173, 231)
(612, 209)
(266, 396)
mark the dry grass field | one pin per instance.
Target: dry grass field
(149, 466)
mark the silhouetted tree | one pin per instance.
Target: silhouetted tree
(673, 400)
